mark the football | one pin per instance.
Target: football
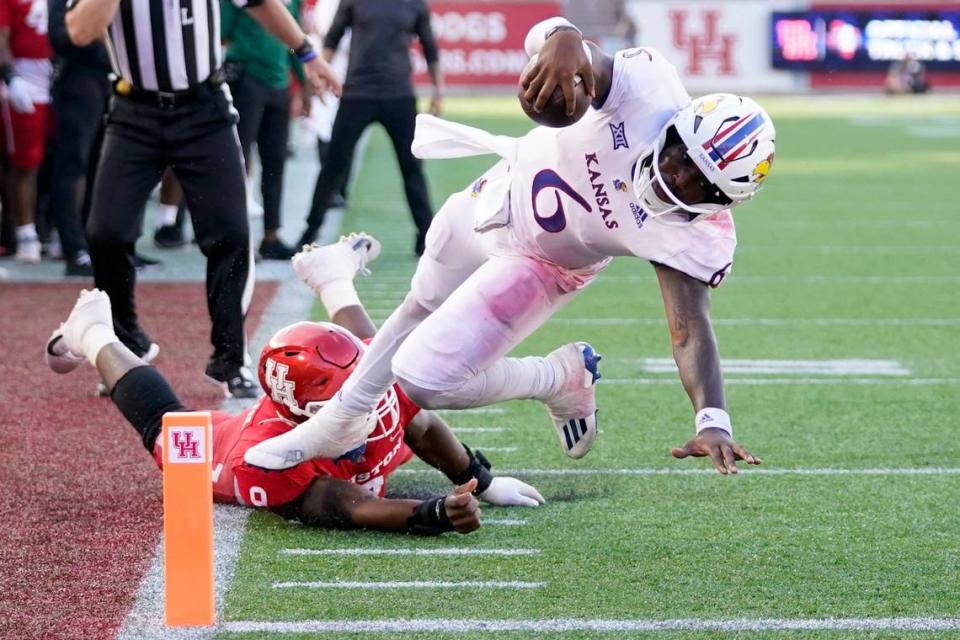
(554, 113)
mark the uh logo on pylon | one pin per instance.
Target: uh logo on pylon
(708, 44)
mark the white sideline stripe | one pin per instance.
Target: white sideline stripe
(478, 429)
(775, 322)
(826, 367)
(746, 471)
(505, 522)
(572, 624)
(412, 584)
(452, 551)
(760, 381)
(145, 619)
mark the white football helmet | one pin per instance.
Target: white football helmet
(730, 138)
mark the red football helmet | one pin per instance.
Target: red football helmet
(305, 364)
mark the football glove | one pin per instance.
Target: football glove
(510, 492)
(18, 90)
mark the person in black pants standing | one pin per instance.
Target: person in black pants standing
(378, 88)
(80, 94)
(171, 109)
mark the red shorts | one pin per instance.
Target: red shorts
(26, 135)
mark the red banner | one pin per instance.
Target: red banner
(481, 43)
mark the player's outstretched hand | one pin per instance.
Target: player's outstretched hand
(321, 77)
(462, 508)
(720, 447)
(561, 58)
(510, 492)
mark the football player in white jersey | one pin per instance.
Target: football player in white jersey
(646, 172)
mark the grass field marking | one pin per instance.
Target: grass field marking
(770, 367)
(500, 449)
(799, 381)
(804, 279)
(478, 429)
(776, 322)
(371, 551)
(796, 471)
(494, 410)
(505, 522)
(412, 584)
(612, 626)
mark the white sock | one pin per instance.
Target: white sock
(27, 232)
(96, 338)
(337, 294)
(374, 375)
(506, 379)
(167, 215)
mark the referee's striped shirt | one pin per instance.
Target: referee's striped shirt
(167, 45)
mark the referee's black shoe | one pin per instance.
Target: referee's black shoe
(236, 382)
(275, 250)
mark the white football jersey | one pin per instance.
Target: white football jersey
(571, 194)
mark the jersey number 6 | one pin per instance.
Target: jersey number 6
(549, 179)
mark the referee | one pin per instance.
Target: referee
(172, 109)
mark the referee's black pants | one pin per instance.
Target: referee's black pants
(80, 97)
(199, 143)
(398, 117)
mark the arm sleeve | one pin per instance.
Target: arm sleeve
(425, 33)
(342, 20)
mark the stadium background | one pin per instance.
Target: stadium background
(845, 289)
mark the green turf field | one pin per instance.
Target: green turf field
(849, 254)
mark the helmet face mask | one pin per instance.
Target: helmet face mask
(305, 364)
(730, 139)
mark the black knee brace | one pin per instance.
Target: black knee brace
(143, 396)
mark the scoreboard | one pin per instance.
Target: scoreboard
(865, 39)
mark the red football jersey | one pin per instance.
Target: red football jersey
(236, 482)
(27, 21)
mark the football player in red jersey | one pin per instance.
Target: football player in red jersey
(302, 366)
(26, 69)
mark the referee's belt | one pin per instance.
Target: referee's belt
(168, 99)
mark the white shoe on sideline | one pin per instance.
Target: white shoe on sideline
(28, 250)
(342, 260)
(573, 409)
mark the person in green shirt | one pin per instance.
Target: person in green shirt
(258, 68)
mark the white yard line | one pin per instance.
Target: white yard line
(451, 551)
(801, 279)
(499, 449)
(769, 367)
(798, 381)
(774, 322)
(412, 584)
(505, 522)
(612, 626)
(746, 470)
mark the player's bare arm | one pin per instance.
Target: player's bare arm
(338, 504)
(432, 440)
(686, 302)
(275, 18)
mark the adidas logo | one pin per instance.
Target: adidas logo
(705, 418)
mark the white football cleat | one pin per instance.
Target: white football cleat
(91, 309)
(343, 260)
(58, 356)
(321, 436)
(573, 409)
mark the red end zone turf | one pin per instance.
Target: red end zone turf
(80, 501)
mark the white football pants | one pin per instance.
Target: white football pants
(470, 303)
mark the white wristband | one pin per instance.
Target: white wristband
(539, 32)
(713, 418)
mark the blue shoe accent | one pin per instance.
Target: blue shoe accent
(354, 454)
(591, 361)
